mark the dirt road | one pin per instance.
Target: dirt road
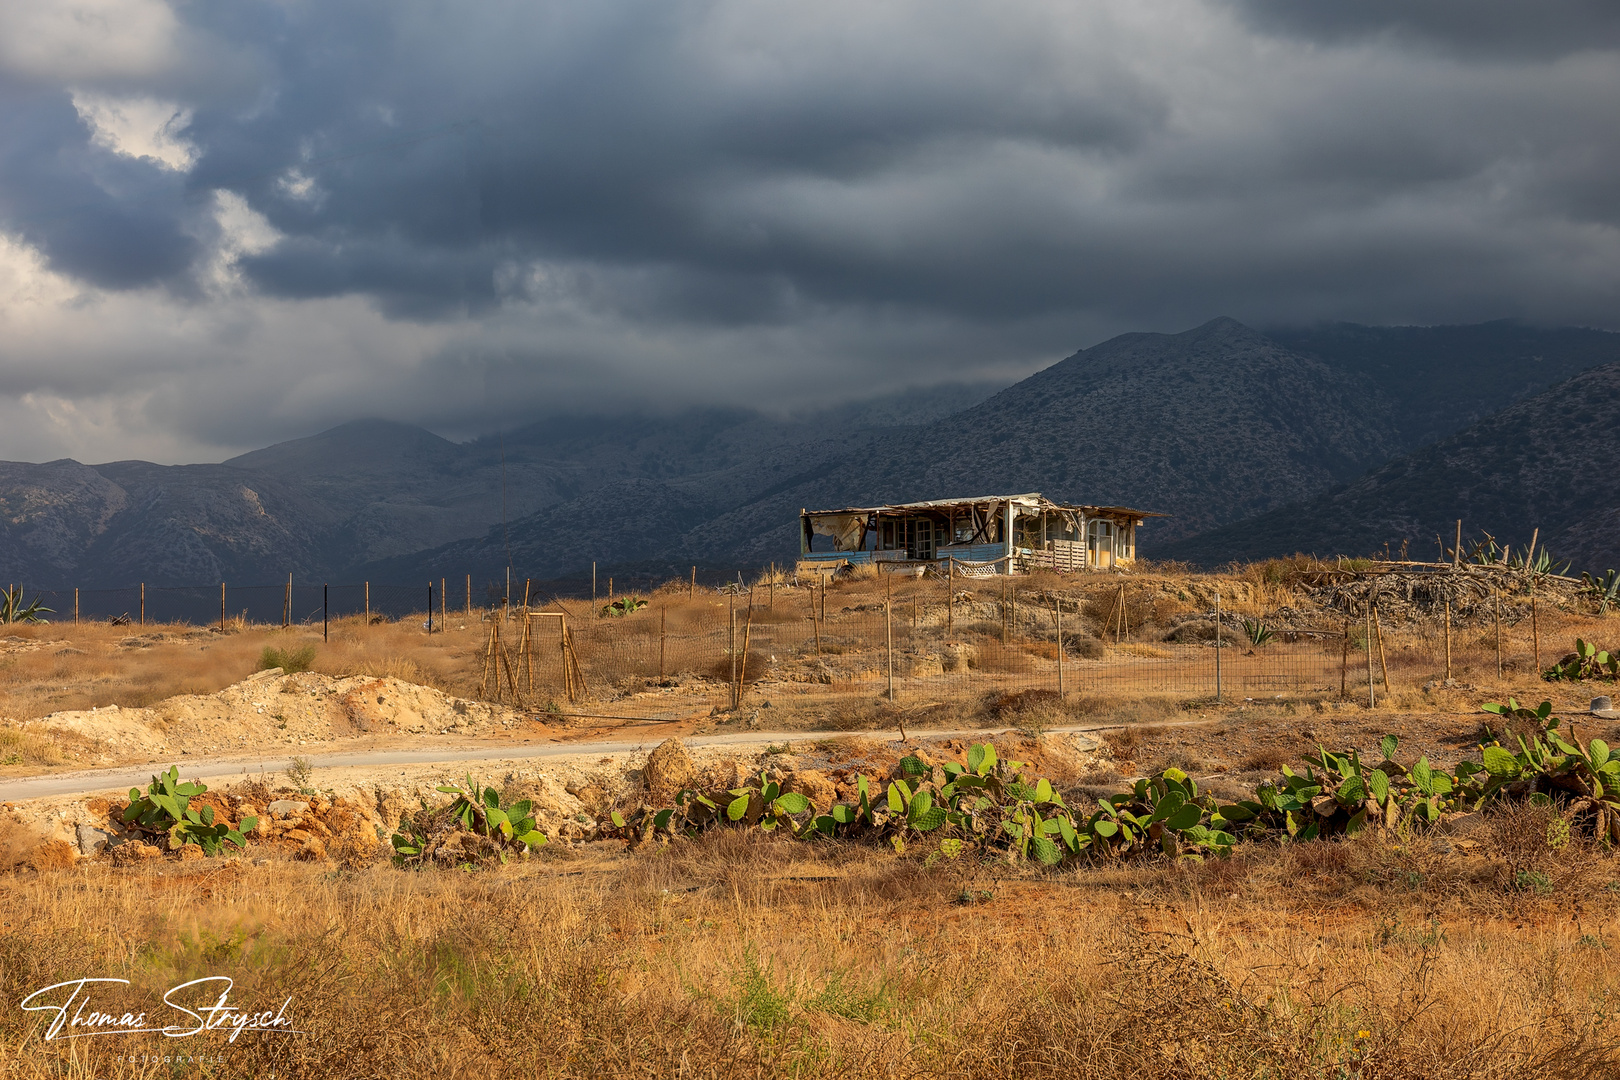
(211, 770)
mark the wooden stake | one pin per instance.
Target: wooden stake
(663, 617)
(1535, 534)
(1497, 596)
(143, 603)
(1372, 697)
(593, 581)
(1448, 639)
(526, 594)
(1535, 630)
(469, 596)
(1344, 664)
(950, 595)
(444, 601)
(691, 590)
(732, 621)
(1456, 552)
(815, 625)
(326, 620)
(75, 605)
(1058, 615)
(368, 603)
(1217, 646)
(221, 607)
(888, 633)
(742, 666)
(1383, 662)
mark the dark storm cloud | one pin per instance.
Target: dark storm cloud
(1545, 28)
(457, 211)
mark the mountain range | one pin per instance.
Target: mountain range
(1328, 438)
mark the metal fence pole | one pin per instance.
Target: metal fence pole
(430, 608)
(1059, 617)
(1217, 645)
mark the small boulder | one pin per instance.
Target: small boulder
(814, 785)
(191, 852)
(668, 771)
(314, 850)
(288, 808)
(93, 841)
(135, 852)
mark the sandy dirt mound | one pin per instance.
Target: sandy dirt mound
(270, 709)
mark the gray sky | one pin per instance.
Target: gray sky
(227, 224)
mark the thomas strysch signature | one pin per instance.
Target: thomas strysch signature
(199, 1007)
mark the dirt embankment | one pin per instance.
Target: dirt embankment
(272, 709)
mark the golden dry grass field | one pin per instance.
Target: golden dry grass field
(1386, 955)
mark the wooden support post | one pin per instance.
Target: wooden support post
(1217, 645)
(1372, 697)
(663, 622)
(888, 635)
(1497, 596)
(368, 603)
(815, 624)
(286, 606)
(742, 663)
(1535, 534)
(691, 590)
(444, 601)
(1344, 663)
(1012, 590)
(610, 588)
(1448, 639)
(143, 603)
(593, 582)
(1456, 552)
(770, 602)
(75, 605)
(469, 596)
(1383, 662)
(1058, 616)
(950, 595)
(731, 647)
(1535, 631)
(326, 620)
(430, 608)
(221, 607)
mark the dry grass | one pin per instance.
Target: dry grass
(740, 957)
(94, 664)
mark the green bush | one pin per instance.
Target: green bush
(291, 661)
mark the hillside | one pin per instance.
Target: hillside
(1550, 462)
(1213, 426)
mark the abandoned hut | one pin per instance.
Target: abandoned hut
(995, 534)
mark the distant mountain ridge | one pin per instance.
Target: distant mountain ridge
(1217, 425)
(1549, 463)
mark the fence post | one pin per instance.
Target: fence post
(593, 582)
(691, 590)
(1448, 639)
(663, 618)
(731, 647)
(143, 605)
(368, 603)
(326, 619)
(1059, 606)
(888, 632)
(1372, 696)
(1535, 631)
(222, 607)
(1344, 662)
(950, 595)
(1383, 661)
(469, 596)
(286, 606)
(1217, 645)
(430, 608)
(444, 619)
(1496, 595)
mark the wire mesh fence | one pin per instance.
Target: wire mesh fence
(927, 645)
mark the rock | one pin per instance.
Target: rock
(93, 840)
(314, 849)
(135, 852)
(299, 835)
(191, 853)
(288, 808)
(668, 771)
(959, 657)
(1430, 686)
(814, 785)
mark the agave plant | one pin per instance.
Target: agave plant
(1606, 587)
(1257, 632)
(13, 610)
